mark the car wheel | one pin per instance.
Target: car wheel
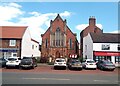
(17, 66)
(33, 67)
(65, 68)
(101, 68)
(112, 69)
(85, 67)
(7, 67)
(54, 67)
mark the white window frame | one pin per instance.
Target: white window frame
(12, 43)
(105, 46)
(12, 55)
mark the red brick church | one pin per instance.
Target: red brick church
(58, 40)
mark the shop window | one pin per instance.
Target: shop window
(12, 43)
(105, 47)
(117, 59)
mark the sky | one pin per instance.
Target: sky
(37, 15)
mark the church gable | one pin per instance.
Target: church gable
(57, 23)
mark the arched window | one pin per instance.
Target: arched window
(58, 33)
(46, 43)
(70, 43)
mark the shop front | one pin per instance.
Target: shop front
(9, 52)
(112, 56)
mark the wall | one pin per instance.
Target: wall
(87, 41)
(35, 50)
(98, 47)
(26, 44)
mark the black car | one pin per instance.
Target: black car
(2, 62)
(74, 64)
(105, 65)
(28, 62)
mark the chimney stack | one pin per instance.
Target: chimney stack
(92, 21)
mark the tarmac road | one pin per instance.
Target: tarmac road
(47, 75)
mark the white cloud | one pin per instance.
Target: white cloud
(83, 26)
(14, 5)
(65, 14)
(35, 20)
(9, 11)
(116, 31)
(35, 13)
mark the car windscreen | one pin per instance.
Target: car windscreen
(26, 57)
(12, 59)
(108, 62)
(90, 61)
(60, 60)
(75, 61)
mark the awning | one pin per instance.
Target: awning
(98, 53)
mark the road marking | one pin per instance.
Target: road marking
(101, 80)
(46, 78)
(118, 81)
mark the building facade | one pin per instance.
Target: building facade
(102, 46)
(15, 41)
(35, 48)
(59, 40)
(92, 28)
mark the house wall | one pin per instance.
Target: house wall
(26, 49)
(35, 49)
(87, 47)
(6, 50)
(98, 47)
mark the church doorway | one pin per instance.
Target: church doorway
(57, 54)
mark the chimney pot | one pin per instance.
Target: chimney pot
(92, 21)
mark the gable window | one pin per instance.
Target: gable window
(119, 47)
(32, 46)
(12, 43)
(70, 43)
(105, 47)
(46, 43)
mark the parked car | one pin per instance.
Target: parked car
(74, 64)
(60, 63)
(13, 62)
(105, 65)
(2, 62)
(89, 64)
(28, 62)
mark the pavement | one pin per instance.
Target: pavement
(43, 64)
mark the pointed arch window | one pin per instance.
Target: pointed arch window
(46, 43)
(58, 33)
(70, 43)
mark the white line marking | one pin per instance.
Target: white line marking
(101, 81)
(46, 78)
(117, 81)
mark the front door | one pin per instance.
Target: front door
(57, 54)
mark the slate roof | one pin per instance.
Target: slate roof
(105, 38)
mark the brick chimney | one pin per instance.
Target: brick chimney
(92, 21)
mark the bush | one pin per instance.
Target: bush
(43, 60)
(50, 63)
